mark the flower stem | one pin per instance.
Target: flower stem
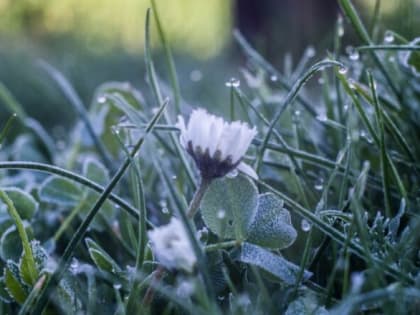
(150, 293)
(199, 193)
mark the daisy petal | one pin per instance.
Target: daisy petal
(247, 170)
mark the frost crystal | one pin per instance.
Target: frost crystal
(216, 146)
(172, 247)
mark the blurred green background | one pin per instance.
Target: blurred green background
(94, 41)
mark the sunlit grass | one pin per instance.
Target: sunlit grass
(197, 27)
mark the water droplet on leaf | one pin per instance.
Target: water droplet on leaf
(221, 214)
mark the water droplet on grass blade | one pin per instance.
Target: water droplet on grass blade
(346, 107)
(117, 286)
(322, 117)
(310, 51)
(353, 53)
(273, 78)
(352, 84)
(357, 281)
(296, 116)
(74, 266)
(233, 82)
(389, 37)
(305, 225)
(319, 184)
(340, 26)
(343, 70)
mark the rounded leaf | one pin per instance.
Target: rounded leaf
(229, 206)
(59, 191)
(95, 171)
(272, 226)
(24, 203)
(11, 244)
(275, 265)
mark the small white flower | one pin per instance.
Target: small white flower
(216, 146)
(172, 247)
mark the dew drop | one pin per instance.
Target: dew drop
(343, 70)
(357, 281)
(346, 107)
(164, 206)
(340, 27)
(353, 53)
(233, 82)
(305, 225)
(273, 78)
(101, 99)
(322, 117)
(389, 37)
(74, 266)
(296, 116)
(116, 130)
(319, 184)
(321, 81)
(196, 75)
(221, 214)
(310, 52)
(174, 177)
(117, 286)
(352, 84)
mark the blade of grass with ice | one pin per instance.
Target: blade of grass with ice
(77, 238)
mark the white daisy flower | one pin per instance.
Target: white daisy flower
(216, 146)
(171, 246)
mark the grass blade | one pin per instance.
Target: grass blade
(290, 98)
(77, 104)
(77, 238)
(169, 59)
